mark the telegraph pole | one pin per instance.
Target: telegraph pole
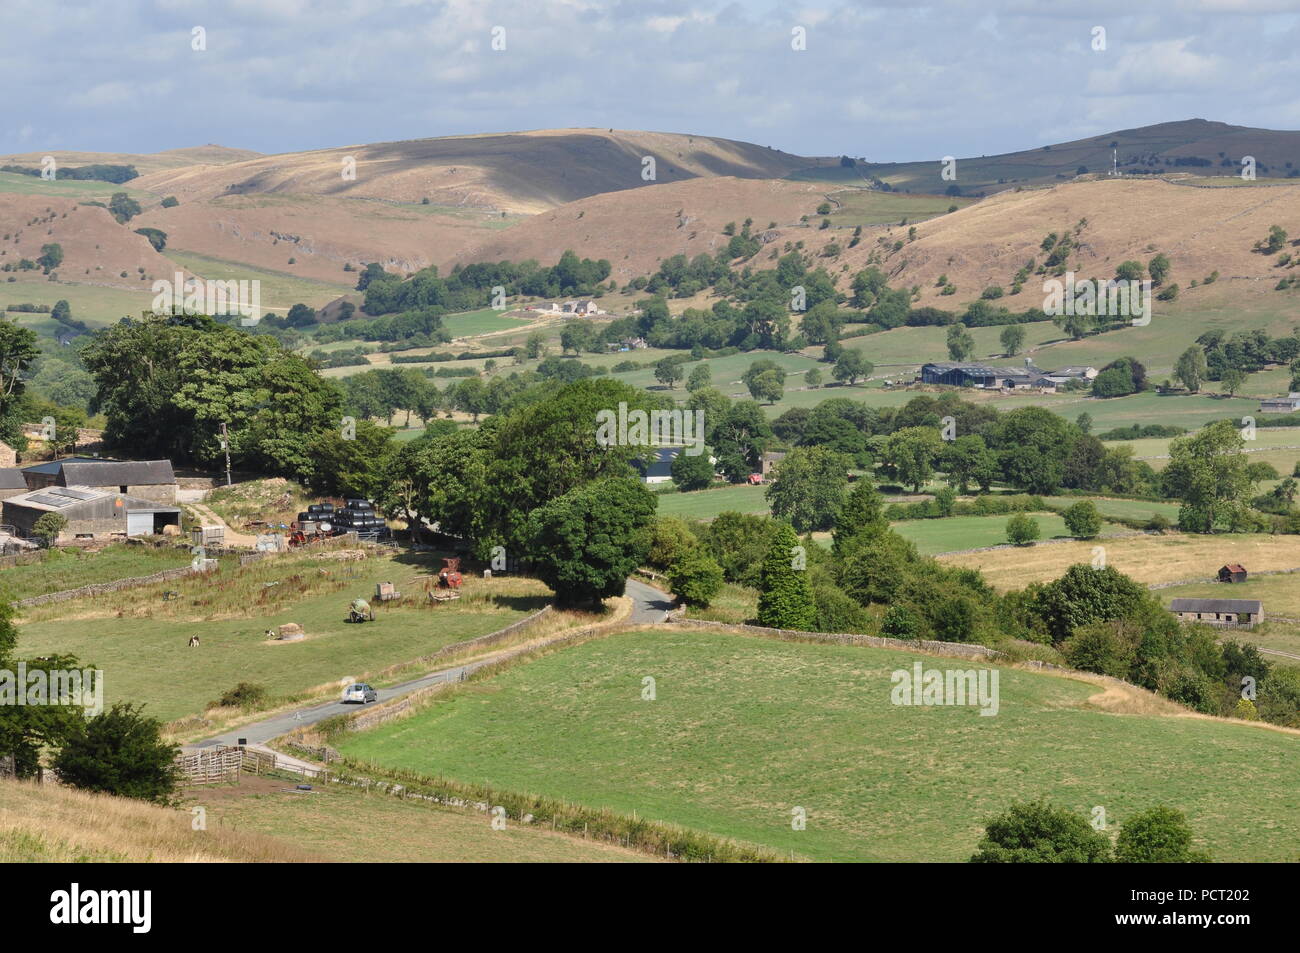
(225, 445)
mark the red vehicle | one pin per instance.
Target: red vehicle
(755, 479)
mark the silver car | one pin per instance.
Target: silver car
(360, 692)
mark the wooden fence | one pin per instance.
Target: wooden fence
(218, 765)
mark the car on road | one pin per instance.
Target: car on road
(360, 692)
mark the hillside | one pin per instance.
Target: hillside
(1186, 145)
(143, 162)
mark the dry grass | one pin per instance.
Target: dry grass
(45, 823)
(1148, 559)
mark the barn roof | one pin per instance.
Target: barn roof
(1253, 606)
(1234, 567)
(11, 478)
(89, 471)
(73, 499)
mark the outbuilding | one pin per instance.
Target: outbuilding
(1219, 611)
(147, 479)
(1233, 572)
(91, 513)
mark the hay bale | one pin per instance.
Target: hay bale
(290, 632)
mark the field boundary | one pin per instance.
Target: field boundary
(955, 649)
(99, 588)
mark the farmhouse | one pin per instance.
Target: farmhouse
(1280, 405)
(147, 479)
(768, 462)
(1219, 611)
(91, 513)
(1233, 572)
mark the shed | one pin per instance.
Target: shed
(1233, 572)
(659, 467)
(1219, 611)
(91, 513)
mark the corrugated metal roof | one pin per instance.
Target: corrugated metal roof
(118, 472)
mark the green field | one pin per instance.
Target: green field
(1279, 446)
(955, 533)
(231, 613)
(861, 206)
(744, 730)
(1121, 509)
(483, 321)
(88, 190)
(72, 568)
(280, 291)
(90, 303)
(706, 504)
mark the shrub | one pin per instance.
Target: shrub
(1159, 835)
(1040, 833)
(1021, 530)
(695, 576)
(246, 695)
(120, 752)
(1082, 520)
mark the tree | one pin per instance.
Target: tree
(899, 622)
(695, 576)
(1158, 835)
(1084, 422)
(692, 472)
(813, 378)
(808, 490)
(1129, 271)
(577, 336)
(960, 343)
(785, 598)
(48, 526)
(123, 208)
(18, 349)
(1231, 380)
(1013, 339)
(699, 378)
(850, 366)
(1190, 368)
(1082, 520)
(120, 752)
(1038, 832)
(1158, 268)
(586, 542)
(1021, 530)
(765, 380)
(968, 460)
(911, 453)
(668, 372)
(1084, 595)
(51, 257)
(863, 512)
(1208, 473)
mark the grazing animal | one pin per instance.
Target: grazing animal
(194, 641)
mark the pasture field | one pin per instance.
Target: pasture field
(134, 635)
(744, 730)
(1149, 559)
(74, 567)
(484, 321)
(339, 823)
(1279, 446)
(93, 304)
(1111, 508)
(280, 291)
(88, 190)
(952, 533)
(861, 206)
(706, 504)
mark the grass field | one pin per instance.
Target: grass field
(1121, 509)
(74, 567)
(484, 321)
(135, 635)
(706, 504)
(339, 822)
(1279, 446)
(744, 730)
(1280, 593)
(1150, 559)
(89, 190)
(280, 291)
(953, 533)
(90, 303)
(863, 206)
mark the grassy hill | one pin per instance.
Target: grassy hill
(744, 730)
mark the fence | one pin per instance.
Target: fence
(216, 766)
(102, 587)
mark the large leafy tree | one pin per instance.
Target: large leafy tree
(911, 453)
(1032, 444)
(1208, 472)
(586, 542)
(1040, 833)
(808, 490)
(18, 350)
(1084, 595)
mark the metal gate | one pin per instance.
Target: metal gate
(139, 524)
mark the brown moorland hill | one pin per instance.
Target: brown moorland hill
(636, 229)
(144, 163)
(96, 249)
(1200, 229)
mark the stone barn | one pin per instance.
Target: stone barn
(1233, 572)
(1218, 611)
(91, 513)
(12, 482)
(146, 479)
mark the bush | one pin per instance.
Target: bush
(1038, 833)
(120, 752)
(1082, 520)
(1160, 835)
(245, 695)
(695, 576)
(1021, 530)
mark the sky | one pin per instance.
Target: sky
(887, 80)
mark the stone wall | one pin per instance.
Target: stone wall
(959, 649)
(97, 588)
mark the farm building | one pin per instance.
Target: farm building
(1233, 572)
(8, 457)
(11, 482)
(1280, 405)
(91, 513)
(147, 479)
(1072, 373)
(768, 462)
(660, 467)
(959, 374)
(1219, 611)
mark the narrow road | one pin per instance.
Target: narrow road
(648, 605)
